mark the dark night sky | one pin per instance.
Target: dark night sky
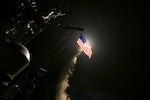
(116, 71)
(117, 31)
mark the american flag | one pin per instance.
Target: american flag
(86, 48)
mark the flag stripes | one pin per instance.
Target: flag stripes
(85, 47)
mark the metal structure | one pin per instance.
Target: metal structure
(29, 19)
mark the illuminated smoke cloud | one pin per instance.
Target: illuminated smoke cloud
(64, 79)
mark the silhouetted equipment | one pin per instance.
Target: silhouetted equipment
(13, 55)
(20, 22)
